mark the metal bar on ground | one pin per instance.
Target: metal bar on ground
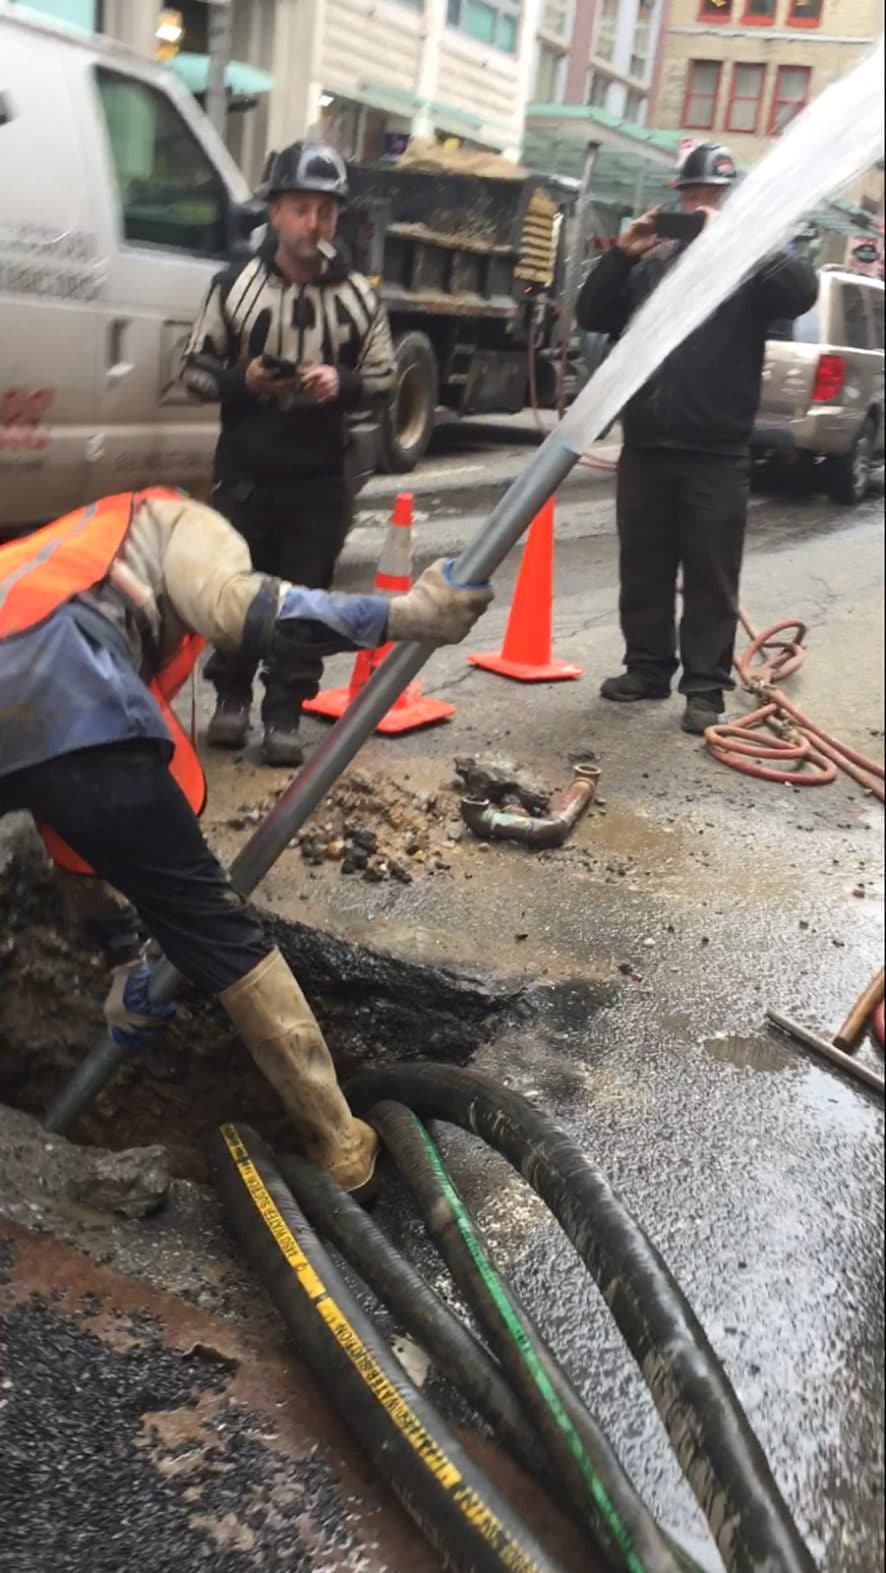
(821, 1045)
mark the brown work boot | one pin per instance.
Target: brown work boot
(278, 1027)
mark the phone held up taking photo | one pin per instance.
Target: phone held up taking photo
(679, 226)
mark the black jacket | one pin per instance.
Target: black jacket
(705, 394)
(251, 309)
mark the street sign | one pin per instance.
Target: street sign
(864, 254)
(169, 32)
(866, 251)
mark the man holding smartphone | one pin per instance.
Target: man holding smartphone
(684, 471)
(289, 344)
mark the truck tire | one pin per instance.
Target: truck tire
(848, 476)
(408, 420)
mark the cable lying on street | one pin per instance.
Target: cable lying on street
(709, 1432)
(460, 1512)
(457, 1354)
(790, 738)
(595, 1483)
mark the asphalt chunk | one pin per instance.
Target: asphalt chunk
(144, 1463)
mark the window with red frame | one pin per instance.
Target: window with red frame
(805, 13)
(743, 112)
(790, 96)
(715, 10)
(759, 13)
(702, 88)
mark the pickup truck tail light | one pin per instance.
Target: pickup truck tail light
(829, 378)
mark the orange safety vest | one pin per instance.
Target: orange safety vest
(41, 571)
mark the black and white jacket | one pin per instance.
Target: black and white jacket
(252, 309)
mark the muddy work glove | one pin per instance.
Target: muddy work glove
(436, 610)
(132, 1017)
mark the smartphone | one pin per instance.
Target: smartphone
(679, 226)
(277, 364)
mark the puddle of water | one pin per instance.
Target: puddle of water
(753, 1053)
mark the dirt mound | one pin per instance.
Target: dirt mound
(373, 828)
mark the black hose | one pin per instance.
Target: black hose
(593, 1478)
(452, 1347)
(709, 1432)
(468, 1522)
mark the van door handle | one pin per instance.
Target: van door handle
(116, 366)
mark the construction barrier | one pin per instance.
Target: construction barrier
(526, 652)
(393, 577)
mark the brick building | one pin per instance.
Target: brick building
(739, 70)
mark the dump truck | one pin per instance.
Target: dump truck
(471, 259)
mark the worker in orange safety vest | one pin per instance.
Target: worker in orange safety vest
(102, 617)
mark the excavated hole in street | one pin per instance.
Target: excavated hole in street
(373, 1007)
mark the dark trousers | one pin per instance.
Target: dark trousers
(295, 533)
(681, 511)
(118, 807)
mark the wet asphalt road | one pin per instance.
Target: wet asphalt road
(756, 1171)
(688, 901)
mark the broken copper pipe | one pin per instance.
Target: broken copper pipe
(828, 1050)
(861, 1012)
(504, 824)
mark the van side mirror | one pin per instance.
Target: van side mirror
(244, 218)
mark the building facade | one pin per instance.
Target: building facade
(362, 72)
(739, 70)
(598, 52)
(384, 69)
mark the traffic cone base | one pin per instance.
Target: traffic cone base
(412, 709)
(526, 654)
(553, 672)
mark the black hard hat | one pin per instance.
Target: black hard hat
(709, 164)
(308, 166)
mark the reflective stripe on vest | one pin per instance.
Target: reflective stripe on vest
(42, 571)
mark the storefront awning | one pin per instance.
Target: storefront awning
(446, 117)
(634, 166)
(580, 124)
(242, 80)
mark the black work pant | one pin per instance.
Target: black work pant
(295, 533)
(118, 807)
(681, 511)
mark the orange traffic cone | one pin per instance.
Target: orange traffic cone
(526, 652)
(393, 577)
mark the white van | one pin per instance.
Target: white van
(118, 203)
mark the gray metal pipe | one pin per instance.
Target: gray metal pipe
(549, 465)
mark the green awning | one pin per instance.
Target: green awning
(583, 123)
(399, 101)
(242, 80)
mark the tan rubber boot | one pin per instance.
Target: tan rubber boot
(278, 1027)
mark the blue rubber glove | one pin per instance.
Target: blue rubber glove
(133, 1018)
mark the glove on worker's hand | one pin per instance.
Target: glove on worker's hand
(132, 1016)
(435, 609)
